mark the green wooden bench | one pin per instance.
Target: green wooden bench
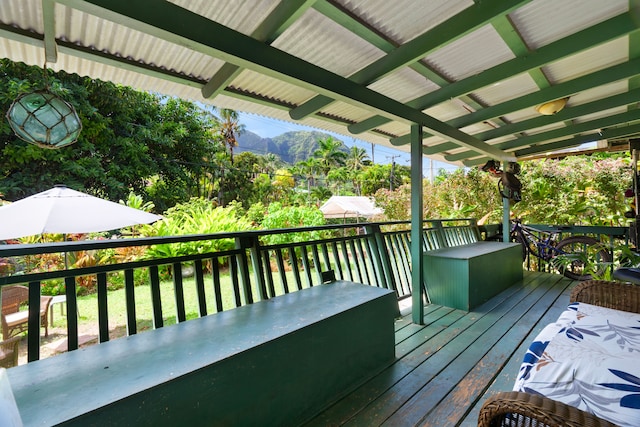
(278, 362)
(460, 271)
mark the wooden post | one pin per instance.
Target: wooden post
(506, 219)
(417, 274)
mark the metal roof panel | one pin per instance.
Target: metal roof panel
(403, 20)
(583, 63)
(542, 22)
(505, 90)
(321, 41)
(471, 54)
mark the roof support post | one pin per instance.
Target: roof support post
(417, 275)
(506, 220)
(49, 20)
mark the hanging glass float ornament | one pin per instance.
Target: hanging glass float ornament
(44, 119)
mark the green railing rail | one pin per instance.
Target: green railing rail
(250, 270)
(608, 235)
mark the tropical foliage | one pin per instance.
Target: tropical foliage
(586, 190)
(198, 216)
(131, 141)
(279, 216)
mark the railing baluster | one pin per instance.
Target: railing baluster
(234, 281)
(294, 267)
(380, 258)
(258, 271)
(305, 265)
(156, 300)
(363, 261)
(199, 275)
(267, 268)
(132, 327)
(336, 258)
(316, 262)
(347, 263)
(243, 264)
(103, 309)
(397, 268)
(282, 271)
(370, 248)
(403, 254)
(33, 322)
(178, 292)
(217, 290)
(72, 312)
(325, 257)
(356, 261)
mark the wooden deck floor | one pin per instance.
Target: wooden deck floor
(446, 368)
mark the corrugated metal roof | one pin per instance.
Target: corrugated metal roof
(542, 22)
(476, 52)
(471, 73)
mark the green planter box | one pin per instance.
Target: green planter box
(465, 276)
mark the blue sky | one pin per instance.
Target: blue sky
(268, 128)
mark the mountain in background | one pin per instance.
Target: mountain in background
(291, 147)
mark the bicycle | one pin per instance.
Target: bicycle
(573, 256)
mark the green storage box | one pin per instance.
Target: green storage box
(465, 276)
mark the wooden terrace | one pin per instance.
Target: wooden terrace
(445, 369)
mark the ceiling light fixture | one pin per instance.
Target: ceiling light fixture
(552, 107)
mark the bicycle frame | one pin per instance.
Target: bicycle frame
(576, 257)
(545, 247)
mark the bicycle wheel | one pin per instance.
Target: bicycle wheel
(577, 256)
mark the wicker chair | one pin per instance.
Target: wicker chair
(517, 409)
(9, 352)
(15, 321)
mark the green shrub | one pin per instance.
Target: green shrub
(198, 216)
(279, 216)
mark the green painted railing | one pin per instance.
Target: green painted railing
(608, 236)
(377, 254)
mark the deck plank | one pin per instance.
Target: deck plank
(432, 379)
(472, 385)
(505, 379)
(408, 355)
(445, 369)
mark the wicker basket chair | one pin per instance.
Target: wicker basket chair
(15, 321)
(9, 352)
(517, 409)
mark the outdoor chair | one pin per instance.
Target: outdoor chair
(521, 409)
(9, 352)
(14, 320)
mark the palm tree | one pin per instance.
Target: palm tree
(308, 169)
(330, 153)
(320, 194)
(357, 158)
(337, 178)
(230, 128)
(271, 163)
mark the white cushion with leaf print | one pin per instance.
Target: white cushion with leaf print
(590, 359)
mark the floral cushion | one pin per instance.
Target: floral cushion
(590, 359)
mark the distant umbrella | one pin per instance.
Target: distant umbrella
(65, 211)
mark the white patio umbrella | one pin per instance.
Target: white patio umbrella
(66, 211)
